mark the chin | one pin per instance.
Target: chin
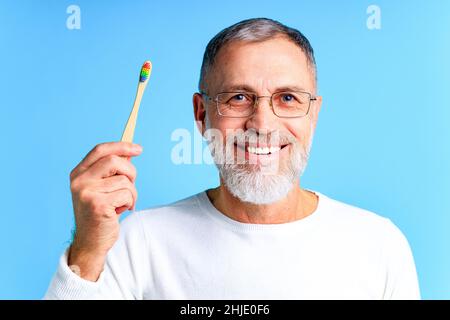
(256, 186)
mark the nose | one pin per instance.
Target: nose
(263, 119)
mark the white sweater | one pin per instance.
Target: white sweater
(190, 250)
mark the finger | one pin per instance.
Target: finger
(115, 183)
(109, 166)
(119, 198)
(121, 210)
(125, 149)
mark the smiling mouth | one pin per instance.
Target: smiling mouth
(261, 150)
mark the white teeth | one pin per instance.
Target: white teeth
(263, 150)
(274, 149)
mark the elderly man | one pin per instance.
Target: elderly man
(258, 235)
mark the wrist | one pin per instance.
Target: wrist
(87, 265)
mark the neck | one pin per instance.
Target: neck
(298, 204)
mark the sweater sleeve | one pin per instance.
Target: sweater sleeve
(125, 274)
(401, 277)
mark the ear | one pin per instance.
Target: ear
(315, 109)
(199, 112)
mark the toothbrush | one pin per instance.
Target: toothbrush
(131, 123)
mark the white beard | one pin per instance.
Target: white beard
(253, 183)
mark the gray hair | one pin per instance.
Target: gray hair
(254, 30)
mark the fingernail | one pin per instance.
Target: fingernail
(137, 148)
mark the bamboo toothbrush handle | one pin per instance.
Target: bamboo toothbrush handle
(131, 123)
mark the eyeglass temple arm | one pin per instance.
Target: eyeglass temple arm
(204, 94)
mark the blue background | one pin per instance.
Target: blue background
(381, 141)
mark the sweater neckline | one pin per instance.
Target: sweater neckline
(206, 206)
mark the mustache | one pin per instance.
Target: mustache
(252, 136)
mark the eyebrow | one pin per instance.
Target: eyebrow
(244, 87)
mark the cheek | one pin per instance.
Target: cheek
(300, 129)
(228, 126)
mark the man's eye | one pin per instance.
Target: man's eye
(287, 98)
(239, 97)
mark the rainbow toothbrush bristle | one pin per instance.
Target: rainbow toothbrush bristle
(145, 71)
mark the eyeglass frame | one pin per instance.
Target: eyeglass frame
(255, 104)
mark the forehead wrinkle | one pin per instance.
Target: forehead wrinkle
(264, 74)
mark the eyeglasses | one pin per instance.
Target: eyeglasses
(289, 104)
